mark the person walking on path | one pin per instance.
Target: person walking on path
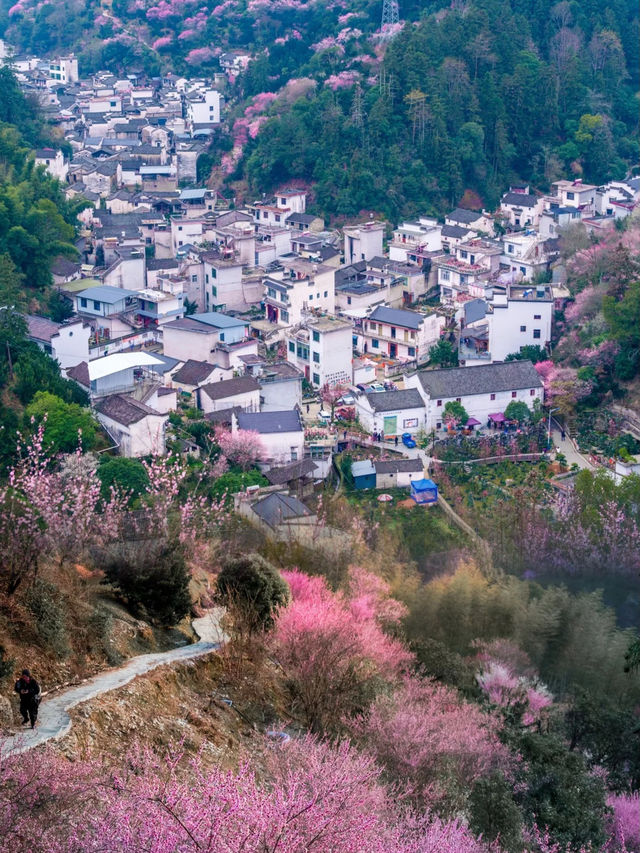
(563, 435)
(396, 441)
(28, 690)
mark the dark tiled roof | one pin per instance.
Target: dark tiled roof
(63, 266)
(41, 328)
(454, 231)
(270, 422)
(124, 410)
(519, 199)
(460, 214)
(484, 379)
(223, 416)
(80, 372)
(397, 317)
(285, 473)
(194, 372)
(393, 466)
(230, 387)
(162, 264)
(391, 401)
(276, 508)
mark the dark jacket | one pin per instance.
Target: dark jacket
(27, 690)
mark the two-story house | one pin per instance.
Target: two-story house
(412, 240)
(363, 242)
(400, 334)
(492, 330)
(299, 287)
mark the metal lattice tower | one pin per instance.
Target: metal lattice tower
(390, 16)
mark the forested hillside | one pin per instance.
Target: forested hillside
(469, 99)
(466, 97)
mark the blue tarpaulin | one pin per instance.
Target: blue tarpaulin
(424, 491)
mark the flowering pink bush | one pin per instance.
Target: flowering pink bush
(243, 447)
(342, 80)
(430, 739)
(332, 650)
(162, 42)
(505, 688)
(624, 823)
(186, 34)
(260, 103)
(199, 55)
(315, 799)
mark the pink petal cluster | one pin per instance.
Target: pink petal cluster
(199, 55)
(243, 447)
(316, 797)
(186, 34)
(342, 80)
(162, 42)
(426, 735)
(260, 103)
(624, 823)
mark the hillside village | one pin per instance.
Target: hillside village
(178, 295)
(320, 531)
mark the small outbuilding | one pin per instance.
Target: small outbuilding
(424, 491)
(364, 474)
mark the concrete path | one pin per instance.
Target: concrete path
(567, 447)
(54, 721)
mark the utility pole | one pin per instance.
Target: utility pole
(390, 16)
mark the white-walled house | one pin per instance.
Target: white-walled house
(413, 238)
(281, 433)
(242, 392)
(322, 348)
(483, 390)
(53, 161)
(470, 219)
(521, 209)
(401, 334)
(204, 108)
(301, 287)
(67, 342)
(280, 386)
(363, 242)
(138, 429)
(575, 194)
(490, 331)
(200, 337)
(391, 412)
(193, 374)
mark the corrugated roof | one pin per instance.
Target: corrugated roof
(285, 473)
(109, 364)
(393, 466)
(194, 372)
(41, 328)
(218, 320)
(105, 293)
(125, 410)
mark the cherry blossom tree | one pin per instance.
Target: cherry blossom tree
(330, 394)
(316, 799)
(243, 447)
(333, 651)
(427, 737)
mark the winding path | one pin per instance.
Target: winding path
(53, 720)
